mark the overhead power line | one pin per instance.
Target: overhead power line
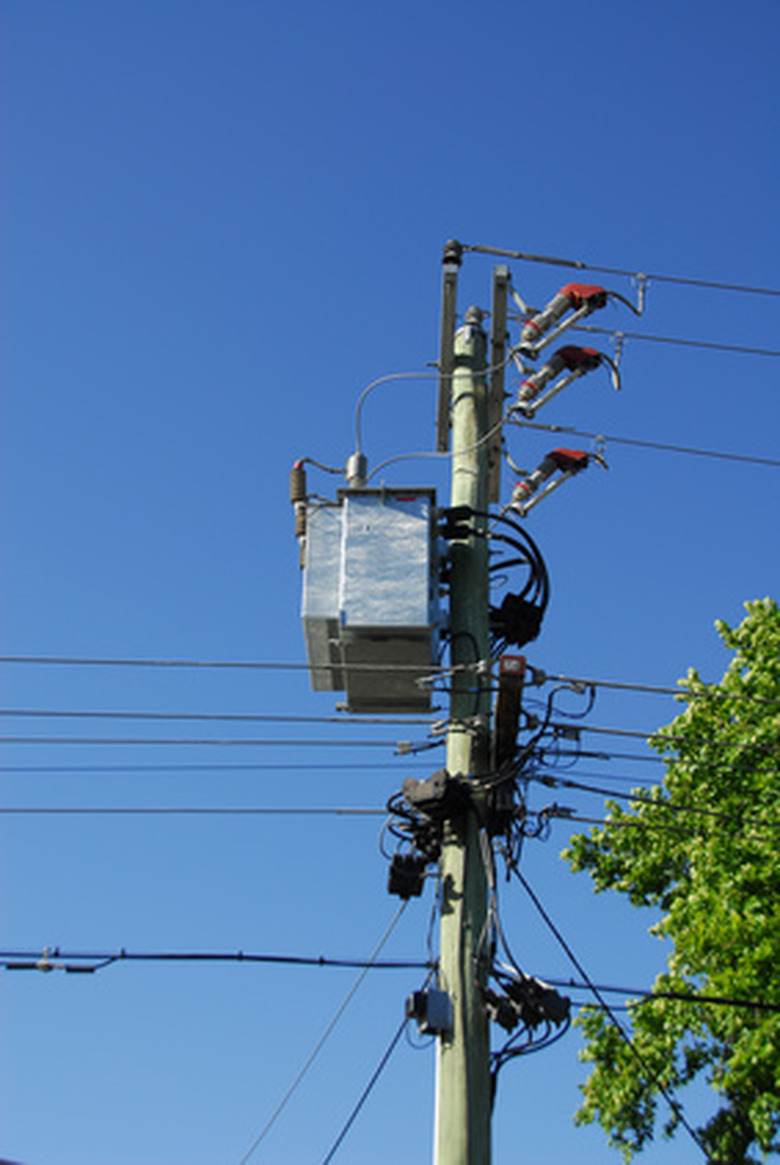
(679, 341)
(655, 277)
(366, 1092)
(668, 1096)
(184, 810)
(680, 692)
(184, 740)
(151, 767)
(57, 959)
(660, 446)
(222, 717)
(249, 665)
(349, 718)
(572, 755)
(372, 962)
(562, 814)
(668, 806)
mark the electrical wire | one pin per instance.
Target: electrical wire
(438, 377)
(149, 767)
(674, 1105)
(679, 341)
(662, 736)
(669, 806)
(431, 453)
(578, 265)
(392, 376)
(79, 661)
(318, 1046)
(251, 665)
(679, 693)
(177, 810)
(128, 740)
(223, 717)
(33, 960)
(746, 459)
(336, 469)
(13, 960)
(562, 814)
(366, 1092)
(443, 670)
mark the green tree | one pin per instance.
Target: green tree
(701, 848)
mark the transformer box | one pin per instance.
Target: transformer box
(371, 596)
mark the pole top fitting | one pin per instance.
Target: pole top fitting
(453, 252)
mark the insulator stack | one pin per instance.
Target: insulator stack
(298, 483)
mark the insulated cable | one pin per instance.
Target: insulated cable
(674, 1105)
(366, 1092)
(641, 799)
(393, 376)
(432, 453)
(318, 1046)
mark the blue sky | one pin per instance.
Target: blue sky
(219, 223)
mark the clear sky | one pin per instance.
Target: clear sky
(220, 221)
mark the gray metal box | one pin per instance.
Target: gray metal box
(388, 599)
(370, 604)
(320, 606)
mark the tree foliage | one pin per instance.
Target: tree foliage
(713, 872)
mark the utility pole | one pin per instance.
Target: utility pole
(463, 1084)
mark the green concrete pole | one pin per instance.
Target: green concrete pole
(463, 1100)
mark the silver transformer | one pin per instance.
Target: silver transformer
(371, 597)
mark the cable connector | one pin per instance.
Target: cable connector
(500, 1009)
(406, 875)
(536, 1001)
(456, 523)
(440, 796)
